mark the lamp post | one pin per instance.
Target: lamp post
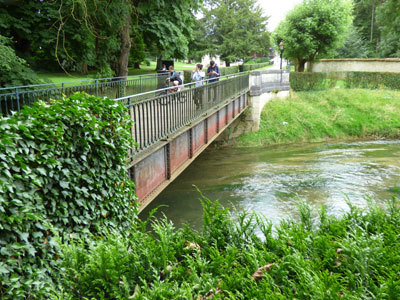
(281, 47)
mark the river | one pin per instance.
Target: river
(270, 180)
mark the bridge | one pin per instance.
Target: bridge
(172, 129)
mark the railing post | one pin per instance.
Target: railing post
(96, 86)
(17, 98)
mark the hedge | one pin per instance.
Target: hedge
(187, 75)
(305, 81)
(251, 67)
(373, 80)
(62, 176)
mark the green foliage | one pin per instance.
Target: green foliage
(258, 60)
(14, 70)
(187, 76)
(354, 45)
(246, 67)
(372, 80)
(315, 258)
(229, 70)
(62, 174)
(313, 29)
(167, 26)
(329, 114)
(300, 81)
(235, 29)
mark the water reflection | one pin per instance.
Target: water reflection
(269, 180)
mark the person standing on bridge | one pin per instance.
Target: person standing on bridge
(198, 77)
(213, 72)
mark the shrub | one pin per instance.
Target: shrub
(187, 76)
(372, 80)
(229, 70)
(62, 174)
(250, 67)
(243, 257)
(306, 81)
(14, 70)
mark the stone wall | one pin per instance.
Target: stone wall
(357, 64)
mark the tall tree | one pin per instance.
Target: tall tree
(388, 18)
(236, 29)
(313, 29)
(167, 26)
(366, 23)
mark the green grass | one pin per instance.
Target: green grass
(326, 115)
(318, 257)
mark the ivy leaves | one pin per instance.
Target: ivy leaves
(62, 170)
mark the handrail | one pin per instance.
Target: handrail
(83, 80)
(182, 85)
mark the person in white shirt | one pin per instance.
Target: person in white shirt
(198, 77)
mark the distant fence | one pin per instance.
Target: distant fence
(14, 98)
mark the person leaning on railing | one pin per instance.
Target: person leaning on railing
(174, 78)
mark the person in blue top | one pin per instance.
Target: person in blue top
(213, 72)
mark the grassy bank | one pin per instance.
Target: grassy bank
(353, 257)
(325, 115)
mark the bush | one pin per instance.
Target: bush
(243, 257)
(372, 80)
(14, 71)
(62, 174)
(187, 76)
(229, 70)
(306, 81)
(250, 67)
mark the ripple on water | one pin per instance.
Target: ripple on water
(269, 180)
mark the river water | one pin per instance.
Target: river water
(270, 180)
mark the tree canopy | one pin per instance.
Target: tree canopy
(235, 29)
(313, 29)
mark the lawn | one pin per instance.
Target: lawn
(330, 114)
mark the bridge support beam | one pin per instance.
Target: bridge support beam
(154, 169)
(264, 86)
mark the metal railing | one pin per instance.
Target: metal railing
(167, 112)
(14, 98)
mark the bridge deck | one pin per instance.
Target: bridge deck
(171, 129)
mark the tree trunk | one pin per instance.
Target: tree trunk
(122, 66)
(84, 68)
(159, 63)
(301, 65)
(227, 63)
(372, 20)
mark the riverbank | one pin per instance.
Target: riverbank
(327, 115)
(354, 257)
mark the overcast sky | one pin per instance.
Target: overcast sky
(276, 10)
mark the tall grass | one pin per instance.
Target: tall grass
(352, 257)
(330, 114)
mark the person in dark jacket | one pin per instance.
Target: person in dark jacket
(174, 77)
(213, 72)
